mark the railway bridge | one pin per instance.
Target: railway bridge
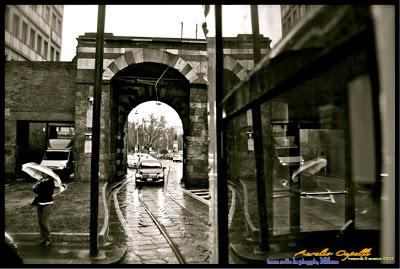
(60, 93)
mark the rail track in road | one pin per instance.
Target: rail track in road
(203, 221)
(160, 226)
(164, 232)
(180, 232)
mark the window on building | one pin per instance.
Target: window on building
(51, 54)
(294, 16)
(6, 18)
(32, 39)
(57, 56)
(58, 27)
(39, 45)
(302, 10)
(39, 9)
(45, 49)
(15, 30)
(47, 13)
(54, 22)
(24, 32)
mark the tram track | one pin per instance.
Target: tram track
(181, 259)
(168, 227)
(203, 221)
(163, 231)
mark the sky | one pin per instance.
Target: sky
(162, 21)
(145, 109)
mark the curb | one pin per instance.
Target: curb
(72, 237)
(72, 247)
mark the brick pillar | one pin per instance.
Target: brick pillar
(84, 91)
(196, 172)
(10, 146)
(82, 111)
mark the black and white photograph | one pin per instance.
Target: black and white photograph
(213, 135)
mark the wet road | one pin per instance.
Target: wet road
(182, 217)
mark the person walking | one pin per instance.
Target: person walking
(44, 190)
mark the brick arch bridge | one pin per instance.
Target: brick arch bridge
(128, 62)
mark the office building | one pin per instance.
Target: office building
(33, 32)
(292, 14)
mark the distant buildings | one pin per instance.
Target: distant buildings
(33, 32)
(292, 14)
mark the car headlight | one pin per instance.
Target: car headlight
(138, 175)
(160, 175)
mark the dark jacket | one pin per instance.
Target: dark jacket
(44, 190)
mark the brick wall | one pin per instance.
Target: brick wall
(40, 87)
(196, 151)
(36, 91)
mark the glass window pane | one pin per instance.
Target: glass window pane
(32, 39)
(15, 29)
(39, 45)
(244, 222)
(45, 49)
(24, 32)
(7, 18)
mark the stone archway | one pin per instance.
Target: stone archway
(191, 106)
(141, 55)
(123, 79)
(128, 93)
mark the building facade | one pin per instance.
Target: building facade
(127, 60)
(33, 32)
(291, 15)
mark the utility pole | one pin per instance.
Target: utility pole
(181, 29)
(94, 186)
(137, 138)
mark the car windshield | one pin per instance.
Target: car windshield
(142, 156)
(150, 165)
(56, 155)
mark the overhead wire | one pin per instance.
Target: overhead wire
(150, 82)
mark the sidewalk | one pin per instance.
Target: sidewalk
(67, 247)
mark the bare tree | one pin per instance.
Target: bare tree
(151, 133)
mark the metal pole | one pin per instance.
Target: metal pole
(222, 183)
(137, 138)
(258, 140)
(94, 186)
(256, 33)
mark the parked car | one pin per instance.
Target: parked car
(177, 158)
(134, 159)
(165, 156)
(150, 170)
(59, 157)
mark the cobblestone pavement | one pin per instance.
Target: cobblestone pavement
(185, 219)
